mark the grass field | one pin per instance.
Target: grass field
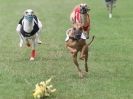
(110, 56)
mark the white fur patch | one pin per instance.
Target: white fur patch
(82, 36)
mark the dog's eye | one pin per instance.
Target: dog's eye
(74, 28)
(32, 12)
(26, 12)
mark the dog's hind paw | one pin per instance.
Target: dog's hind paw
(39, 42)
(32, 58)
(81, 75)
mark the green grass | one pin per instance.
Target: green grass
(110, 56)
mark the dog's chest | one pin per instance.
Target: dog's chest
(78, 44)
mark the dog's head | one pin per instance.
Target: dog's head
(78, 26)
(77, 31)
(29, 14)
(84, 8)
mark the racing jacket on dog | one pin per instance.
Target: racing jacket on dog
(77, 18)
(35, 28)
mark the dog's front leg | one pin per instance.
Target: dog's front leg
(18, 29)
(38, 33)
(72, 50)
(27, 42)
(76, 63)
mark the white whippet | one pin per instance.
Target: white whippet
(28, 28)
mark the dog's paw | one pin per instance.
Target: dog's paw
(81, 75)
(32, 58)
(39, 42)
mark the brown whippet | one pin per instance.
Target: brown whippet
(76, 44)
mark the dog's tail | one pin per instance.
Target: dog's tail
(88, 43)
(91, 41)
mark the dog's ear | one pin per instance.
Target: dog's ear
(86, 7)
(80, 5)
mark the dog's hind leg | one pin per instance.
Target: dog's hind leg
(82, 54)
(27, 42)
(21, 40)
(76, 63)
(86, 59)
(110, 8)
(33, 53)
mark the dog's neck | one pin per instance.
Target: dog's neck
(28, 26)
(84, 18)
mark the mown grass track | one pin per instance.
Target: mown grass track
(110, 61)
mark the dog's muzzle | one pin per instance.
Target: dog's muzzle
(29, 18)
(77, 34)
(84, 10)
